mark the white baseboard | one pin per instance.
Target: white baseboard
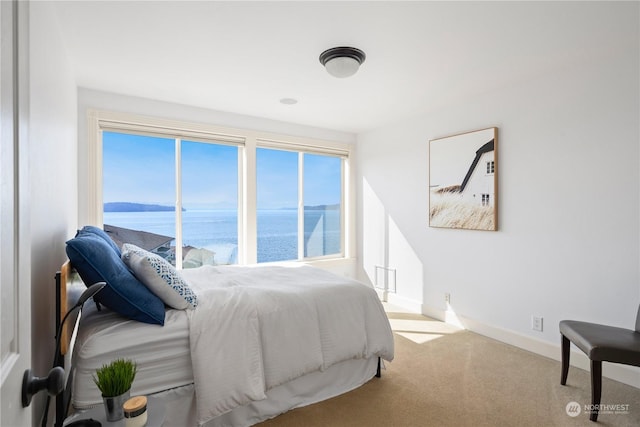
(625, 374)
(403, 302)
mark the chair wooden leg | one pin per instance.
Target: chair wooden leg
(596, 388)
(566, 346)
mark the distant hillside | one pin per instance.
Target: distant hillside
(136, 207)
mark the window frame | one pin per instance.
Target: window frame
(301, 151)
(491, 167)
(248, 141)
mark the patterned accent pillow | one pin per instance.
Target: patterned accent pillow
(159, 276)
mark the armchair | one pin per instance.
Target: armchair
(600, 343)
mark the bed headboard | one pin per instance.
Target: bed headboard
(69, 288)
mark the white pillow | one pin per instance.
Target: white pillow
(199, 256)
(159, 276)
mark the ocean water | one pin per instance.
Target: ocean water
(217, 230)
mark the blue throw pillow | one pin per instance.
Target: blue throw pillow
(96, 261)
(90, 229)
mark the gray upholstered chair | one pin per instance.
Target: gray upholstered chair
(602, 344)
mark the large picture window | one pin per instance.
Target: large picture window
(172, 197)
(198, 197)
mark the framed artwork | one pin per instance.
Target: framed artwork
(463, 180)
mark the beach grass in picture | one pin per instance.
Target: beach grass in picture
(463, 180)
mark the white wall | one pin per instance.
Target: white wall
(568, 238)
(53, 177)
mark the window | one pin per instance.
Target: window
(490, 167)
(198, 194)
(322, 188)
(209, 199)
(299, 205)
(277, 204)
(175, 198)
(485, 200)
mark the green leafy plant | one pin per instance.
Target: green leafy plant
(115, 378)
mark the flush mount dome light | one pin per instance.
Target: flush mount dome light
(342, 61)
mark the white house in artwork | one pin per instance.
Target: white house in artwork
(478, 186)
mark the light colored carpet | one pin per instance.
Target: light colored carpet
(443, 376)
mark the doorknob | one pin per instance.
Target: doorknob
(53, 383)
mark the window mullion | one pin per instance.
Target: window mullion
(300, 205)
(344, 193)
(178, 210)
(247, 204)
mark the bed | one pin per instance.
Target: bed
(260, 340)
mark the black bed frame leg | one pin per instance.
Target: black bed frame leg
(378, 373)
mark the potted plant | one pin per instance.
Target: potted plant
(114, 381)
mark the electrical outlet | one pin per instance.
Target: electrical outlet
(536, 323)
(447, 298)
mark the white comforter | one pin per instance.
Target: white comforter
(258, 327)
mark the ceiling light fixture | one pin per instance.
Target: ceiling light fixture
(342, 61)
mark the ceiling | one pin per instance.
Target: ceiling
(244, 57)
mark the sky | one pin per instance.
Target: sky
(141, 169)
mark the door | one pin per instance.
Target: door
(15, 280)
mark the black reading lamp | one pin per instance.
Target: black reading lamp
(54, 381)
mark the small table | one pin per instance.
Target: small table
(155, 415)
